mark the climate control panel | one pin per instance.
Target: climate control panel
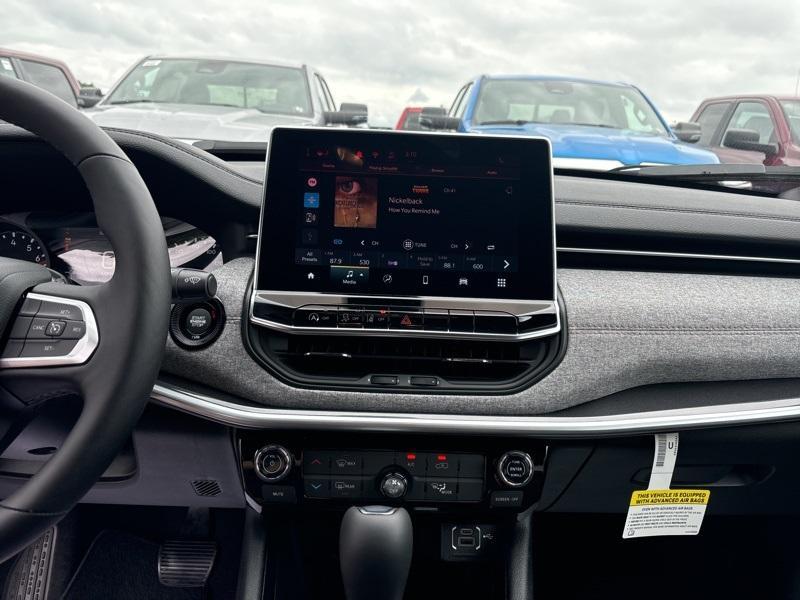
(408, 475)
(286, 471)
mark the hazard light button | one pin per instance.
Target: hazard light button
(406, 320)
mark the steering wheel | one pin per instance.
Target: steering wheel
(118, 330)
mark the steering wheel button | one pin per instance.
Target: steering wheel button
(45, 349)
(55, 328)
(58, 310)
(30, 307)
(74, 330)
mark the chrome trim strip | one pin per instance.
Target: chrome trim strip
(518, 308)
(78, 355)
(251, 417)
(657, 254)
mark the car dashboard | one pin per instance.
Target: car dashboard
(675, 310)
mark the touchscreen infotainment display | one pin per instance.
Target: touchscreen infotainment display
(378, 213)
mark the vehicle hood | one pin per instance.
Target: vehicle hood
(602, 144)
(194, 122)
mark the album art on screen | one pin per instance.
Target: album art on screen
(356, 202)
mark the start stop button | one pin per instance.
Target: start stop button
(198, 321)
(196, 324)
(515, 468)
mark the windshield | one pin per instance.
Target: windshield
(267, 88)
(615, 87)
(566, 103)
(791, 109)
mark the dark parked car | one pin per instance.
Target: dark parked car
(751, 128)
(49, 74)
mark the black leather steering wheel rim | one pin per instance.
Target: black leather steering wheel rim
(131, 311)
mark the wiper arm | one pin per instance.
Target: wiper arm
(780, 181)
(714, 172)
(589, 125)
(508, 122)
(132, 101)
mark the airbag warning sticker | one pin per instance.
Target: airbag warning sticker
(665, 512)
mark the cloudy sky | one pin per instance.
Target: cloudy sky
(381, 52)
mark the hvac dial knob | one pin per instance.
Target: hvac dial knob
(272, 463)
(394, 485)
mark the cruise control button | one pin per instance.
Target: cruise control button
(47, 349)
(74, 330)
(38, 329)
(60, 310)
(406, 320)
(55, 328)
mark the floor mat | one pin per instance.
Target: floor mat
(121, 566)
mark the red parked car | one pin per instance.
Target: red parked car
(751, 129)
(409, 119)
(49, 74)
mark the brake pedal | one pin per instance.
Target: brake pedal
(185, 563)
(30, 578)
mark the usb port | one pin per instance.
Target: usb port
(465, 538)
(465, 542)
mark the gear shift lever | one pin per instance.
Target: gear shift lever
(375, 547)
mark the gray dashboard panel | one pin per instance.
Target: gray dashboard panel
(626, 329)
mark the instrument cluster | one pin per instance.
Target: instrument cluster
(74, 245)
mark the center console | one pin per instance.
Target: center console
(402, 263)
(421, 262)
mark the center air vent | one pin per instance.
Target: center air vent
(357, 362)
